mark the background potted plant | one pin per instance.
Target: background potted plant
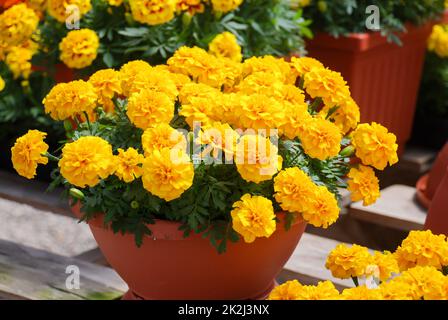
(113, 33)
(383, 68)
(209, 212)
(431, 121)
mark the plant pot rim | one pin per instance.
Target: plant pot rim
(163, 229)
(421, 189)
(355, 42)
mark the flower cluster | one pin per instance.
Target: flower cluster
(421, 258)
(227, 140)
(18, 24)
(438, 41)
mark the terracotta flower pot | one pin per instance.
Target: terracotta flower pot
(437, 218)
(169, 266)
(428, 184)
(61, 74)
(384, 78)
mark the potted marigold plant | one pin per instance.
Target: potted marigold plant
(417, 270)
(384, 67)
(42, 43)
(198, 177)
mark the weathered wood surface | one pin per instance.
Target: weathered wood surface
(33, 193)
(28, 273)
(93, 256)
(397, 208)
(307, 263)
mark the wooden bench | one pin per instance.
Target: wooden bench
(32, 274)
(33, 193)
(397, 209)
(307, 263)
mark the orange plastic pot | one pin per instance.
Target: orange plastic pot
(428, 184)
(384, 78)
(437, 218)
(169, 266)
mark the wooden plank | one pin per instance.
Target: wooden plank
(307, 263)
(417, 160)
(93, 256)
(397, 208)
(33, 193)
(35, 274)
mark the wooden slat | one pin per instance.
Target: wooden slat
(34, 274)
(33, 193)
(93, 256)
(307, 264)
(397, 208)
(417, 160)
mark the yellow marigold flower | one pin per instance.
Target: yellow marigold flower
(28, 152)
(300, 3)
(422, 248)
(221, 140)
(107, 85)
(17, 24)
(129, 71)
(345, 262)
(148, 108)
(327, 85)
(296, 117)
(259, 111)
(199, 65)
(396, 290)
(127, 164)
(154, 79)
(2, 84)
(198, 110)
(268, 64)
(253, 217)
(225, 5)
(262, 82)
(325, 290)
(375, 146)
(162, 136)
(197, 90)
(87, 160)
(323, 209)
(303, 65)
(58, 8)
(346, 117)
(190, 6)
(363, 185)
(225, 45)
(289, 290)
(438, 41)
(224, 108)
(167, 174)
(257, 158)
(180, 80)
(153, 12)
(79, 48)
(361, 293)
(320, 138)
(115, 3)
(293, 190)
(66, 100)
(386, 263)
(426, 283)
(19, 62)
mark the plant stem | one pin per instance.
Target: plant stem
(51, 157)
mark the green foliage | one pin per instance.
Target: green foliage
(433, 100)
(342, 17)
